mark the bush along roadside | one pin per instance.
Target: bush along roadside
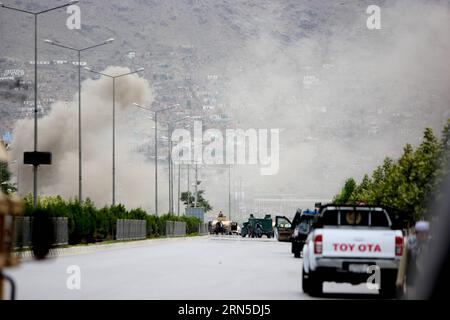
(408, 184)
(88, 224)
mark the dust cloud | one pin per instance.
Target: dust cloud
(58, 133)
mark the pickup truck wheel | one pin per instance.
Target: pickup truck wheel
(297, 254)
(305, 282)
(388, 288)
(314, 285)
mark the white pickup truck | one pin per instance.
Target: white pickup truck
(345, 242)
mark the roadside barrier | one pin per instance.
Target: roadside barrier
(203, 229)
(23, 231)
(175, 229)
(128, 229)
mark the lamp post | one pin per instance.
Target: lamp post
(155, 118)
(188, 185)
(78, 50)
(229, 191)
(179, 194)
(188, 179)
(114, 124)
(36, 14)
(196, 184)
(171, 125)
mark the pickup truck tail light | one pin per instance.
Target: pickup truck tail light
(318, 241)
(398, 246)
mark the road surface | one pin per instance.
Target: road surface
(206, 267)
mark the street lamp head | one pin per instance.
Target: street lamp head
(73, 2)
(87, 68)
(49, 41)
(109, 40)
(140, 70)
(135, 104)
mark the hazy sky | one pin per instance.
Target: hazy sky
(344, 96)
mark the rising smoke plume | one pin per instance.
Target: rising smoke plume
(58, 133)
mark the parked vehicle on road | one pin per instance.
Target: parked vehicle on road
(349, 244)
(257, 227)
(223, 226)
(282, 229)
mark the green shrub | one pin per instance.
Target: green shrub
(88, 224)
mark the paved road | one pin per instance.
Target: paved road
(185, 268)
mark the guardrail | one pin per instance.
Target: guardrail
(175, 229)
(127, 229)
(23, 231)
(61, 225)
(203, 229)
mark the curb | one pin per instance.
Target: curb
(92, 248)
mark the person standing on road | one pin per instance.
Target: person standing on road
(416, 246)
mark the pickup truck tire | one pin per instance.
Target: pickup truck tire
(315, 285)
(388, 288)
(297, 254)
(305, 282)
(311, 284)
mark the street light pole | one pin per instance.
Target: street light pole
(171, 125)
(35, 14)
(196, 184)
(78, 50)
(188, 184)
(35, 167)
(80, 173)
(114, 145)
(156, 163)
(155, 117)
(114, 124)
(169, 136)
(179, 177)
(229, 191)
